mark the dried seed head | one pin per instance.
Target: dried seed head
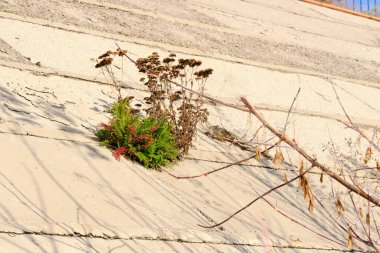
(104, 62)
(361, 212)
(339, 206)
(204, 73)
(368, 155)
(301, 167)
(278, 158)
(168, 60)
(194, 63)
(367, 219)
(311, 201)
(258, 153)
(350, 243)
(321, 178)
(285, 177)
(304, 185)
(266, 151)
(106, 54)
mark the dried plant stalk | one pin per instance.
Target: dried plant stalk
(183, 109)
(312, 160)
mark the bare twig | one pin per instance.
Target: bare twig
(126, 55)
(312, 160)
(299, 223)
(258, 198)
(290, 110)
(352, 125)
(222, 168)
(201, 94)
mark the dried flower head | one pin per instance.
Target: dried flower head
(104, 62)
(305, 187)
(106, 54)
(278, 158)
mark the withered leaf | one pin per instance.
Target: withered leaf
(361, 212)
(350, 243)
(104, 62)
(367, 219)
(285, 177)
(368, 155)
(311, 201)
(266, 153)
(339, 206)
(258, 153)
(278, 157)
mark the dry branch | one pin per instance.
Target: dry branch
(224, 167)
(299, 223)
(258, 198)
(309, 158)
(352, 125)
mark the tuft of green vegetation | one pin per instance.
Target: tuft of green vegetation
(148, 140)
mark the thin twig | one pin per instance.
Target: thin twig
(256, 199)
(312, 160)
(377, 228)
(299, 223)
(201, 94)
(352, 126)
(357, 214)
(222, 168)
(290, 109)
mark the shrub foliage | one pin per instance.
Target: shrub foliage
(146, 140)
(164, 127)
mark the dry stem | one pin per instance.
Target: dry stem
(312, 160)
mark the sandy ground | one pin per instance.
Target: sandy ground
(61, 192)
(8, 53)
(219, 29)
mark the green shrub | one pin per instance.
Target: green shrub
(148, 140)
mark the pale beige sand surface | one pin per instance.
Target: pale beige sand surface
(61, 192)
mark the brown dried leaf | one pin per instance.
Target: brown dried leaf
(311, 201)
(266, 151)
(368, 155)
(367, 219)
(104, 62)
(378, 166)
(350, 243)
(278, 157)
(361, 212)
(301, 167)
(339, 206)
(258, 153)
(304, 185)
(321, 178)
(285, 177)
(302, 178)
